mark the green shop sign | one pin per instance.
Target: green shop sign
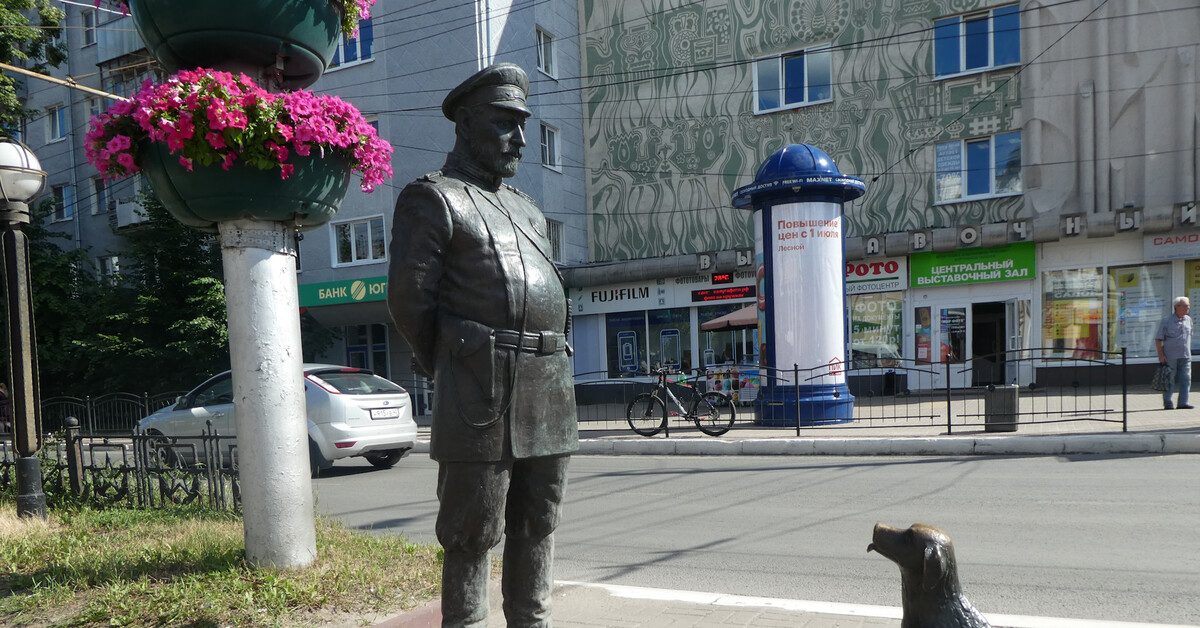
(338, 292)
(963, 266)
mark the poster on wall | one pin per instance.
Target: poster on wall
(1141, 295)
(876, 329)
(1072, 312)
(807, 292)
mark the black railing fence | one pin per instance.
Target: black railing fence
(996, 392)
(112, 413)
(140, 470)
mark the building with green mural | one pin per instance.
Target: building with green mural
(1038, 143)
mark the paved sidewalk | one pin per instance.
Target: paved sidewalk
(583, 605)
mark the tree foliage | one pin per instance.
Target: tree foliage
(66, 296)
(27, 39)
(163, 325)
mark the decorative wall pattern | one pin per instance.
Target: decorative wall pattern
(670, 130)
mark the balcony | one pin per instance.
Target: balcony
(117, 38)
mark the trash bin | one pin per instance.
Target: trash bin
(1000, 408)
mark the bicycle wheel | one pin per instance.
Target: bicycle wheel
(647, 414)
(713, 413)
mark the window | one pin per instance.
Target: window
(793, 80)
(99, 196)
(979, 168)
(727, 346)
(56, 123)
(64, 202)
(639, 341)
(977, 42)
(367, 348)
(89, 26)
(109, 266)
(95, 106)
(550, 157)
(1140, 297)
(359, 242)
(554, 231)
(876, 329)
(1087, 310)
(1191, 289)
(125, 75)
(545, 52)
(352, 50)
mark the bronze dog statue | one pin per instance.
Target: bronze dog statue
(929, 584)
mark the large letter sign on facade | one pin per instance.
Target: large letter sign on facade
(797, 198)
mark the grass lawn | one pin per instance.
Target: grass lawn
(120, 567)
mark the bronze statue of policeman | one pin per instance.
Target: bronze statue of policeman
(474, 291)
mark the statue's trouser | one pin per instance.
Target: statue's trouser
(473, 496)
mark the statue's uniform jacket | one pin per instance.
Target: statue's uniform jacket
(469, 258)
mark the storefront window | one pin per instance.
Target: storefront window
(670, 339)
(726, 346)
(626, 344)
(1191, 290)
(923, 334)
(875, 329)
(954, 334)
(1072, 312)
(1138, 299)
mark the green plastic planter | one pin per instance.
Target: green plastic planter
(210, 194)
(241, 35)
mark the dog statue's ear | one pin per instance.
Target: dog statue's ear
(935, 567)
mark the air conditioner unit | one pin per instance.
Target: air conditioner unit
(129, 213)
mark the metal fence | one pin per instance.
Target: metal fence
(140, 470)
(113, 413)
(1025, 387)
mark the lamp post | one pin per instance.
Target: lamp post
(21, 179)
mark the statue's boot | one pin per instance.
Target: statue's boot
(464, 590)
(527, 581)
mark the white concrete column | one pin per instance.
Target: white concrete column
(268, 388)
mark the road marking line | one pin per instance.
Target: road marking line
(837, 608)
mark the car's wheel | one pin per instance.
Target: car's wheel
(316, 461)
(385, 459)
(162, 452)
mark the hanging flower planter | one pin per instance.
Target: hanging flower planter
(247, 35)
(218, 147)
(205, 195)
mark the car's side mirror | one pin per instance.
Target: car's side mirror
(179, 402)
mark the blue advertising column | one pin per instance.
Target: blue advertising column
(797, 199)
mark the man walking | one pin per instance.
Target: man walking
(475, 293)
(1174, 342)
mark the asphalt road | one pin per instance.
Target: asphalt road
(1087, 537)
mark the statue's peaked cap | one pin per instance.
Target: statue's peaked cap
(501, 85)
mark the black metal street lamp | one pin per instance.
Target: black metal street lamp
(21, 179)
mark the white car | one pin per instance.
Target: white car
(351, 412)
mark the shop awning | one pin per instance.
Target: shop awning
(739, 319)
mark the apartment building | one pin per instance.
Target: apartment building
(1031, 172)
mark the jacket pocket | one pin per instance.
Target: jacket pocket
(470, 368)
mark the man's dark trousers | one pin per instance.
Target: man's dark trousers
(529, 492)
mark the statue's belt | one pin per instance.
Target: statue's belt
(541, 342)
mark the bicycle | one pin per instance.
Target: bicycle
(713, 411)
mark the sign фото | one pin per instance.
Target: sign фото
(876, 275)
